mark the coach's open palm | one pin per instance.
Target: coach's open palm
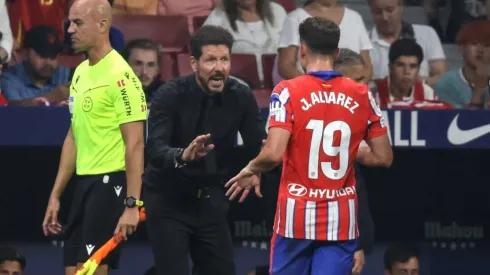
(198, 148)
(244, 181)
(127, 223)
(50, 222)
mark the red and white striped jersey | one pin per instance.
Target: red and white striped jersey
(327, 120)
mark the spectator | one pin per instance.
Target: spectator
(11, 261)
(255, 25)
(353, 36)
(401, 259)
(116, 37)
(6, 39)
(350, 64)
(39, 77)
(135, 7)
(462, 12)
(468, 86)
(143, 55)
(402, 87)
(389, 27)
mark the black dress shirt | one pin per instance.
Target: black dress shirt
(174, 121)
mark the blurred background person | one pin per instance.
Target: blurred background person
(402, 86)
(12, 262)
(389, 26)
(6, 39)
(401, 259)
(468, 86)
(350, 64)
(254, 24)
(39, 77)
(143, 55)
(353, 36)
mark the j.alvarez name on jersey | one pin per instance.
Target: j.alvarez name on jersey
(324, 97)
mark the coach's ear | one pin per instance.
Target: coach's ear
(193, 61)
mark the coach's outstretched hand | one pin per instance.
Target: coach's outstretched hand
(198, 148)
(128, 222)
(244, 181)
(50, 223)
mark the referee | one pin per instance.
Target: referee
(104, 144)
(192, 128)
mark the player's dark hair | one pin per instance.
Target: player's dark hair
(399, 253)
(405, 47)
(320, 35)
(209, 35)
(142, 43)
(348, 57)
(11, 254)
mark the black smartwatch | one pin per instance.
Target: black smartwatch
(131, 202)
(178, 158)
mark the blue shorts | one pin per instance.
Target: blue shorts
(308, 257)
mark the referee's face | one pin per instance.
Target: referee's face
(213, 67)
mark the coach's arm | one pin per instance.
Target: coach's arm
(160, 128)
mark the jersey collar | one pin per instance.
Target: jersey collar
(325, 75)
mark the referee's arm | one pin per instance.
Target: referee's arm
(160, 128)
(67, 165)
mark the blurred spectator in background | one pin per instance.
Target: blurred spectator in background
(468, 86)
(353, 36)
(11, 261)
(38, 77)
(116, 37)
(135, 7)
(462, 12)
(401, 259)
(351, 65)
(6, 39)
(402, 86)
(389, 27)
(143, 55)
(255, 25)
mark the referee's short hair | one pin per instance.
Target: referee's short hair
(209, 35)
(11, 254)
(348, 57)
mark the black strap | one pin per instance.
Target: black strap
(206, 127)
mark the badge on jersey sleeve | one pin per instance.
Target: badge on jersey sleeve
(277, 105)
(71, 104)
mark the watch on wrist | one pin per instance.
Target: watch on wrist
(178, 157)
(131, 202)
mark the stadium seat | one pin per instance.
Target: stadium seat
(183, 64)
(268, 66)
(262, 96)
(288, 5)
(244, 66)
(70, 60)
(198, 21)
(172, 32)
(168, 67)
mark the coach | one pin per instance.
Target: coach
(192, 129)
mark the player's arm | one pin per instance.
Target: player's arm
(67, 165)
(280, 128)
(377, 151)
(131, 111)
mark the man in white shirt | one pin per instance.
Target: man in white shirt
(6, 39)
(389, 27)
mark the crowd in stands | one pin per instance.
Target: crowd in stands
(405, 63)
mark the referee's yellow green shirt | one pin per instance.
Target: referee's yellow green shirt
(102, 97)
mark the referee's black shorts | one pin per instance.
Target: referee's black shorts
(97, 205)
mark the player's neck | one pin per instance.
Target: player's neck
(98, 52)
(319, 65)
(399, 92)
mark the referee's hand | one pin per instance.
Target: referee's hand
(127, 223)
(50, 223)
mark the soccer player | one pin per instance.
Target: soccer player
(317, 122)
(104, 144)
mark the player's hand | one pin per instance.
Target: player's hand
(358, 262)
(128, 222)
(243, 182)
(197, 149)
(50, 222)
